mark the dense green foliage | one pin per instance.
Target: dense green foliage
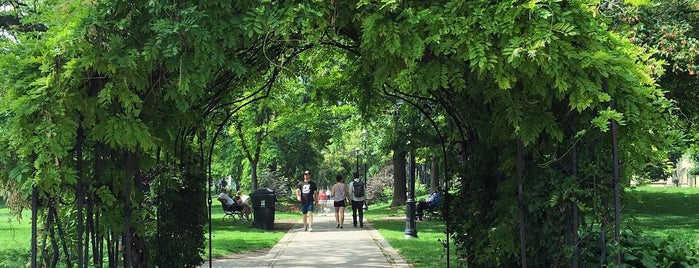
(521, 100)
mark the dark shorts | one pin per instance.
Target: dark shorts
(306, 207)
(340, 204)
(235, 207)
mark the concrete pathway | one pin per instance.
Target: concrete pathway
(325, 246)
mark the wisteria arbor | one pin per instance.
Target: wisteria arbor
(535, 105)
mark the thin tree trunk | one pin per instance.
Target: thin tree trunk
(617, 194)
(52, 233)
(97, 238)
(602, 233)
(100, 242)
(616, 185)
(128, 179)
(91, 232)
(62, 236)
(80, 198)
(434, 175)
(522, 207)
(111, 253)
(574, 232)
(35, 208)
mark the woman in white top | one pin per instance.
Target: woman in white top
(339, 193)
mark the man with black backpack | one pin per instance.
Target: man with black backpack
(357, 196)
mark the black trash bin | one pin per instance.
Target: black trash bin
(263, 201)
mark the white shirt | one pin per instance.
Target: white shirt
(229, 200)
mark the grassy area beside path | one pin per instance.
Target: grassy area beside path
(658, 211)
(427, 250)
(663, 211)
(230, 237)
(15, 235)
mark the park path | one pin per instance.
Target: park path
(325, 246)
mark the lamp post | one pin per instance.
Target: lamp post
(356, 173)
(364, 135)
(410, 228)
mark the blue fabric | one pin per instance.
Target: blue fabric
(434, 199)
(306, 207)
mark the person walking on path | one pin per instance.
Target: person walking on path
(356, 193)
(307, 194)
(322, 201)
(339, 193)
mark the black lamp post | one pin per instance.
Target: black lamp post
(364, 160)
(356, 174)
(364, 135)
(410, 226)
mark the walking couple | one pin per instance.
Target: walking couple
(307, 194)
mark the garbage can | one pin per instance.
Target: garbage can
(263, 208)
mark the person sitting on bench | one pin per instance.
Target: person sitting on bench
(430, 204)
(226, 199)
(242, 205)
(230, 204)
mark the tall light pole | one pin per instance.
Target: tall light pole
(364, 134)
(356, 173)
(364, 140)
(410, 226)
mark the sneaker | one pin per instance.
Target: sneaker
(361, 225)
(305, 228)
(338, 226)
(310, 229)
(341, 227)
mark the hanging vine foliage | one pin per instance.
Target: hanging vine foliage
(518, 86)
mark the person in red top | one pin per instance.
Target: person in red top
(322, 198)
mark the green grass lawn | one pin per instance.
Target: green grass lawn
(667, 211)
(15, 235)
(426, 250)
(235, 236)
(228, 236)
(659, 211)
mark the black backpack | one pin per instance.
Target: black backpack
(358, 189)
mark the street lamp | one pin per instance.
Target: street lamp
(356, 173)
(410, 225)
(364, 135)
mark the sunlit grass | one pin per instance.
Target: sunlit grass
(228, 236)
(658, 211)
(235, 236)
(427, 250)
(15, 237)
(663, 211)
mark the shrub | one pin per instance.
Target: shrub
(658, 252)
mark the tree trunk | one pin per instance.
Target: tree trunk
(253, 175)
(80, 198)
(131, 166)
(399, 178)
(35, 208)
(434, 175)
(62, 237)
(522, 206)
(575, 220)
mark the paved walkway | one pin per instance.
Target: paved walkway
(325, 246)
